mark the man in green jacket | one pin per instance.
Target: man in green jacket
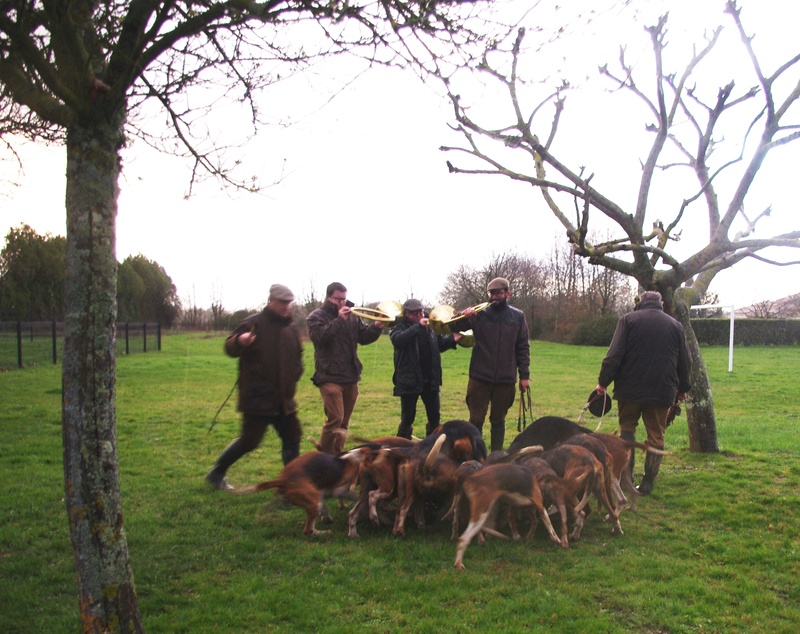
(336, 332)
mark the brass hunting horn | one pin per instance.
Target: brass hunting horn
(442, 316)
(387, 311)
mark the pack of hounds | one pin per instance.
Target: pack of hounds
(553, 467)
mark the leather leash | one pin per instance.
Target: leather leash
(673, 411)
(588, 404)
(525, 413)
(214, 420)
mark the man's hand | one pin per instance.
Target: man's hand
(246, 338)
(524, 385)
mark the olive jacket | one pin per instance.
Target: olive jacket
(336, 344)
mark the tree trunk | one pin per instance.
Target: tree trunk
(699, 404)
(106, 592)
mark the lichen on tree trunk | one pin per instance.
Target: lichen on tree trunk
(91, 479)
(700, 414)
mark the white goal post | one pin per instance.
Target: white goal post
(732, 319)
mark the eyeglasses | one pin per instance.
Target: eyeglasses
(498, 291)
(338, 299)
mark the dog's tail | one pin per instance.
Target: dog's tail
(646, 448)
(315, 443)
(434, 452)
(255, 488)
(519, 454)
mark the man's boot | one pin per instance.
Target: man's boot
(631, 437)
(289, 452)
(651, 464)
(404, 431)
(216, 477)
(498, 437)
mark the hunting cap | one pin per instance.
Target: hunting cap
(412, 305)
(281, 293)
(498, 284)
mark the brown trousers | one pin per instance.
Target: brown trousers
(338, 401)
(653, 415)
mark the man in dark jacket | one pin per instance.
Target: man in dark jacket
(418, 366)
(270, 351)
(501, 354)
(336, 333)
(649, 364)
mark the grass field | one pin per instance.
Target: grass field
(713, 549)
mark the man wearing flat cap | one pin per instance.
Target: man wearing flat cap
(500, 359)
(269, 350)
(336, 333)
(649, 364)
(418, 366)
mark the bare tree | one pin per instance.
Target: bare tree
(576, 291)
(683, 123)
(790, 307)
(466, 286)
(762, 310)
(95, 75)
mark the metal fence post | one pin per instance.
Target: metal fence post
(55, 345)
(144, 336)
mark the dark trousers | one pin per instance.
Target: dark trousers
(408, 412)
(254, 426)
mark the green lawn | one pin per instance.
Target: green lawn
(713, 549)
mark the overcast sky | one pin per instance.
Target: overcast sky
(366, 198)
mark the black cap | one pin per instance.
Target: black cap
(599, 404)
(412, 305)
